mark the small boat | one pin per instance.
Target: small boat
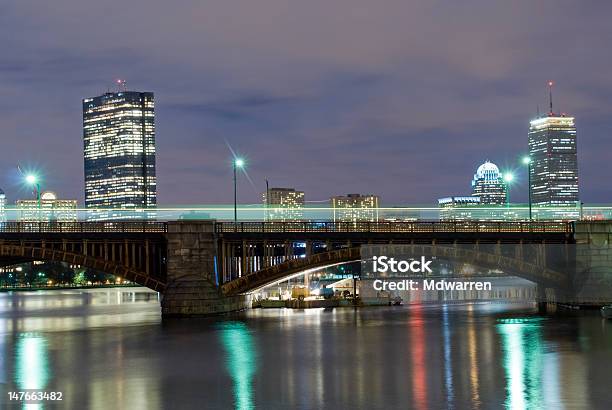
(606, 311)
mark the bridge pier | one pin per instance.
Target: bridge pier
(592, 283)
(192, 279)
(547, 299)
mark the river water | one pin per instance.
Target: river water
(110, 349)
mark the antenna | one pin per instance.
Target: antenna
(121, 84)
(550, 86)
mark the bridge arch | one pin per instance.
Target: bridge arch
(537, 273)
(13, 254)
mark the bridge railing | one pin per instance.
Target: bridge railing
(83, 227)
(395, 227)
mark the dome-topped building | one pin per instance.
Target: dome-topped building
(488, 171)
(488, 184)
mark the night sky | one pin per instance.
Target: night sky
(399, 98)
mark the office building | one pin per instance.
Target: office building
(283, 204)
(459, 208)
(488, 185)
(49, 209)
(355, 208)
(554, 163)
(119, 152)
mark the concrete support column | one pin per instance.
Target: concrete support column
(266, 253)
(191, 288)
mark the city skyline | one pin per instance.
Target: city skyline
(511, 169)
(319, 121)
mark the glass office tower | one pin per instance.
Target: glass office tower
(119, 151)
(554, 163)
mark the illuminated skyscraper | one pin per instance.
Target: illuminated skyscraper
(119, 150)
(489, 185)
(283, 204)
(355, 208)
(554, 163)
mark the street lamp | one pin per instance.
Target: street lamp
(508, 178)
(32, 179)
(527, 161)
(238, 163)
(266, 213)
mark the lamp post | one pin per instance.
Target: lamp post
(32, 180)
(508, 178)
(238, 163)
(527, 161)
(267, 213)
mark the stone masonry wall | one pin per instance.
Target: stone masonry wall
(593, 286)
(192, 288)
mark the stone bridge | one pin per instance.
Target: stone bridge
(209, 267)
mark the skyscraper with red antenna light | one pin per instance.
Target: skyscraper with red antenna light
(554, 161)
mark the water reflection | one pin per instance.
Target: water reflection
(240, 361)
(419, 360)
(448, 363)
(106, 351)
(32, 365)
(522, 346)
(473, 348)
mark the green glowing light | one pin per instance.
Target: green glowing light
(508, 177)
(31, 179)
(240, 361)
(526, 160)
(239, 162)
(32, 367)
(523, 355)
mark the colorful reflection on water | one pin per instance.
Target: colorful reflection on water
(523, 363)
(240, 361)
(109, 351)
(32, 367)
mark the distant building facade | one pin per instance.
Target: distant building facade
(50, 209)
(488, 185)
(554, 161)
(2, 206)
(355, 208)
(283, 204)
(458, 208)
(119, 152)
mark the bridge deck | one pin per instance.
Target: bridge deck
(84, 227)
(297, 227)
(395, 227)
